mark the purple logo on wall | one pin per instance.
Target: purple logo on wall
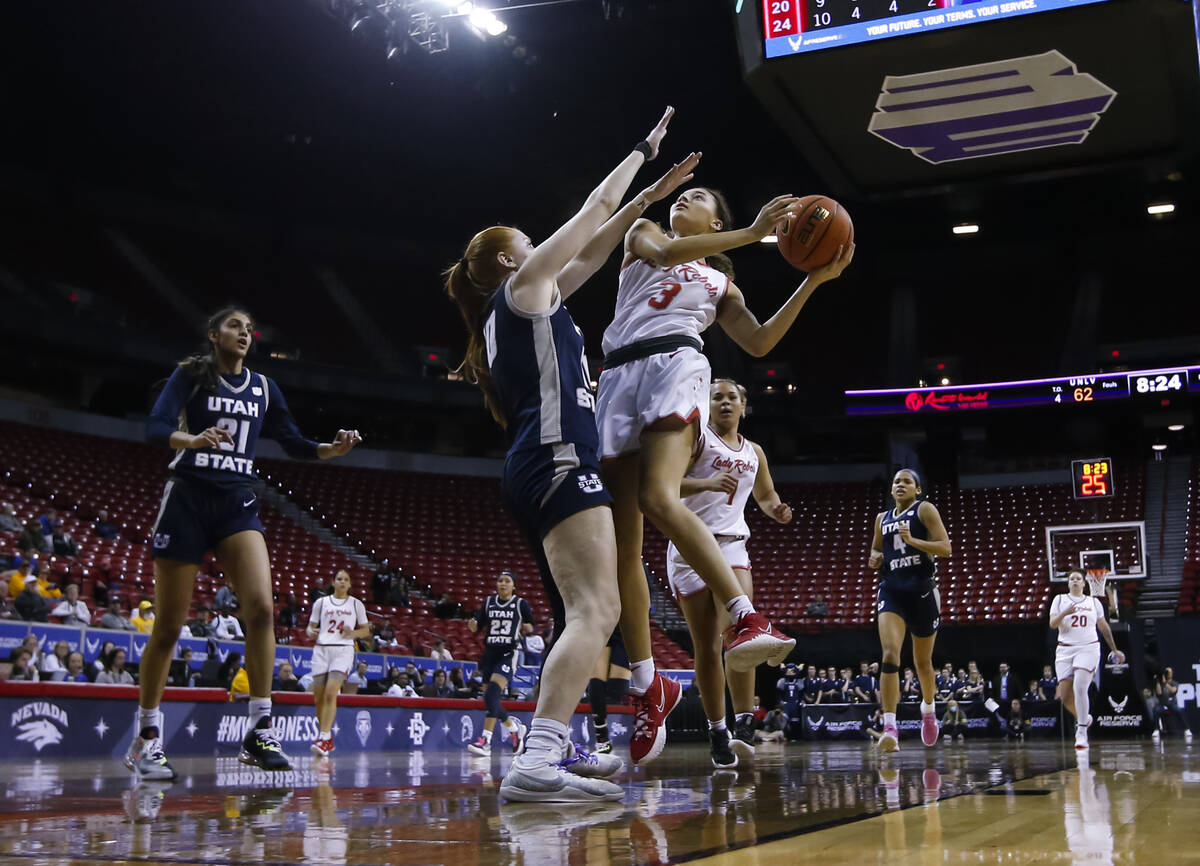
(991, 108)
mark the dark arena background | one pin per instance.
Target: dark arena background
(1019, 324)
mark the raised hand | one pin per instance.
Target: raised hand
(771, 214)
(654, 139)
(679, 174)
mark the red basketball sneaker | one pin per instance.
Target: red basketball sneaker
(753, 640)
(650, 713)
(322, 748)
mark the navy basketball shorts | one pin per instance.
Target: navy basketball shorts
(544, 486)
(194, 518)
(920, 608)
(617, 654)
(500, 660)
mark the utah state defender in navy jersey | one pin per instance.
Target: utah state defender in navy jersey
(907, 538)
(505, 619)
(212, 412)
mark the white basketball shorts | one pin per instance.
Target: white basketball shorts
(633, 396)
(683, 578)
(1068, 658)
(332, 659)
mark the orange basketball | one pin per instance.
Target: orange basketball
(810, 239)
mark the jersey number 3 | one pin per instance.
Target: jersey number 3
(663, 299)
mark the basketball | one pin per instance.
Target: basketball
(810, 239)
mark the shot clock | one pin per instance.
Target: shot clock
(1092, 479)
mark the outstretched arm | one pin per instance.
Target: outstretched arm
(649, 242)
(765, 493)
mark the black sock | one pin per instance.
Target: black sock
(601, 732)
(598, 698)
(264, 722)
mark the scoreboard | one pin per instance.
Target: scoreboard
(1092, 478)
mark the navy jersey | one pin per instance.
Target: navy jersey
(540, 374)
(905, 567)
(503, 620)
(246, 407)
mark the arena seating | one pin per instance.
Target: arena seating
(1189, 592)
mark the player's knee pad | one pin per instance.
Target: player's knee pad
(889, 668)
(491, 699)
(617, 690)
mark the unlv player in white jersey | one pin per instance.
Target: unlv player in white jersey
(728, 469)
(652, 404)
(335, 622)
(1077, 616)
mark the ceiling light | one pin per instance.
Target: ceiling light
(966, 229)
(1174, 428)
(1165, 207)
(1158, 446)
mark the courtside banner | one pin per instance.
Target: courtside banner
(851, 721)
(1179, 649)
(74, 720)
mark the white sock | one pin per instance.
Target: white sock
(718, 725)
(1083, 679)
(149, 718)
(926, 709)
(260, 708)
(510, 724)
(889, 719)
(325, 735)
(739, 607)
(642, 676)
(546, 743)
(487, 735)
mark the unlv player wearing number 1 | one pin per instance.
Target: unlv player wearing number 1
(652, 404)
(1077, 616)
(336, 621)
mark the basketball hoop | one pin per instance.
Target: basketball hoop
(1096, 578)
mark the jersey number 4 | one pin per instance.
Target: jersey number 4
(898, 543)
(663, 299)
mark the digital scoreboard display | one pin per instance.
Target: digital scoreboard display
(798, 26)
(1092, 479)
(1160, 384)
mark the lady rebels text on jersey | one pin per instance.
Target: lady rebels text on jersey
(1077, 628)
(336, 619)
(724, 513)
(657, 302)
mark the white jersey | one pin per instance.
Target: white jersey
(329, 613)
(653, 301)
(724, 513)
(1079, 628)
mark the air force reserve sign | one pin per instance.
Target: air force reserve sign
(971, 112)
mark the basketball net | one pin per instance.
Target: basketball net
(1096, 578)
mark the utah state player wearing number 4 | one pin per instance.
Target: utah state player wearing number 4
(907, 538)
(212, 412)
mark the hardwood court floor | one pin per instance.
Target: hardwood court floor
(982, 802)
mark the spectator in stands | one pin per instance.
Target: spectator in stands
(202, 625)
(32, 538)
(9, 522)
(358, 677)
(1048, 684)
(385, 682)
(31, 604)
(143, 620)
(1034, 692)
(180, 673)
(447, 608)
(239, 688)
(439, 653)
(7, 611)
(1016, 722)
(438, 687)
(945, 682)
(225, 599)
(63, 544)
(818, 607)
(113, 618)
(102, 528)
(227, 625)
(381, 582)
(775, 725)
(954, 722)
(397, 593)
(34, 645)
(910, 687)
(71, 610)
(973, 689)
(533, 648)
(1006, 685)
(114, 670)
(105, 581)
(16, 578)
(866, 687)
(829, 686)
(402, 687)
(23, 669)
(415, 675)
(289, 614)
(45, 581)
(228, 669)
(50, 524)
(285, 679)
(385, 636)
(98, 662)
(460, 686)
(813, 686)
(74, 672)
(54, 662)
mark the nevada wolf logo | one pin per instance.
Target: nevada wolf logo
(989, 109)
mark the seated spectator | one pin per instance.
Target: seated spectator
(1034, 692)
(102, 528)
(358, 677)
(228, 627)
(402, 688)
(954, 722)
(180, 674)
(54, 662)
(818, 607)
(23, 669)
(62, 544)
(284, 680)
(50, 523)
(415, 675)
(114, 670)
(227, 673)
(98, 663)
(774, 729)
(202, 625)
(9, 522)
(289, 614)
(16, 578)
(31, 604)
(143, 620)
(32, 538)
(440, 653)
(45, 581)
(7, 611)
(105, 581)
(225, 599)
(910, 687)
(34, 645)
(1016, 722)
(113, 617)
(1048, 684)
(438, 687)
(381, 582)
(74, 672)
(71, 610)
(385, 636)
(534, 647)
(385, 682)
(874, 725)
(397, 592)
(462, 689)
(447, 608)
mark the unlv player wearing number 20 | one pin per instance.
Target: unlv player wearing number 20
(1077, 616)
(336, 621)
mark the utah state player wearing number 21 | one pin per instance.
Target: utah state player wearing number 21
(212, 412)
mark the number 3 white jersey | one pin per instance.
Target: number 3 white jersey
(1079, 628)
(724, 513)
(653, 301)
(329, 614)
